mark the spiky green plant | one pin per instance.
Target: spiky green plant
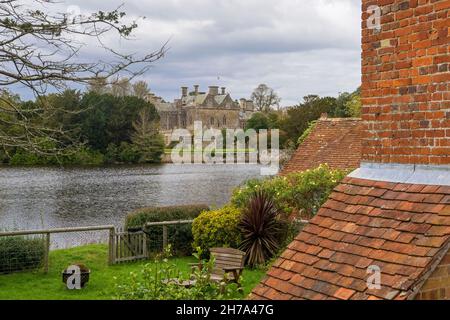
(260, 229)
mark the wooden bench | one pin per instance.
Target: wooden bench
(228, 265)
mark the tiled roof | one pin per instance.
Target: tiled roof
(402, 228)
(336, 142)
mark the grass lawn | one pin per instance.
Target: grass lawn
(37, 285)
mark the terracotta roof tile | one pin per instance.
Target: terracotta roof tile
(324, 145)
(400, 228)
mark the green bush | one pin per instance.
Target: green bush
(179, 236)
(217, 228)
(151, 283)
(300, 193)
(20, 253)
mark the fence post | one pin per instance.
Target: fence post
(145, 248)
(47, 252)
(165, 236)
(111, 246)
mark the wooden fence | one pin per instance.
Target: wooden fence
(123, 246)
(128, 246)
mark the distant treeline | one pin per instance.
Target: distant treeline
(294, 121)
(93, 128)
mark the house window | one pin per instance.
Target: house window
(224, 120)
(212, 121)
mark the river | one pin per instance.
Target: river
(35, 198)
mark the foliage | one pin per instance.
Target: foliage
(147, 139)
(102, 286)
(99, 128)
(265, 98)
(261, 120)
(39, 55)
(307, 132)
(180, 236)
(260, 229)
(73, 156)
(217, 228)
(21, 253)
(299, 117)
(300, 193)
(158, 281)
(354, 104)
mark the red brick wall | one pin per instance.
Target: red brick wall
(437, 287)
(405, 82)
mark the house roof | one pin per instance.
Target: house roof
(404, 229)
(336, 142)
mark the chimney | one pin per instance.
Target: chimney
(213, 90)
(184, 91)
(196, 89)
(243, 103)
(405, 84)
(223, 90)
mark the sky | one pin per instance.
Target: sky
(297, 47)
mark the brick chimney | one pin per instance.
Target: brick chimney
(196, 89)
(405, 82)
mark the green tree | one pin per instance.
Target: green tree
(146, 137)
(299, 117)
(40, 55)
(354, 105)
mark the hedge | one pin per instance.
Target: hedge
(21, 253)
(179, 236)
(217, 228)
(301, 193)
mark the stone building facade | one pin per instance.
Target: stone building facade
(215, 109)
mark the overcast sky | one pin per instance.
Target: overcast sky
(298, 47)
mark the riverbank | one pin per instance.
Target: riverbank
(40, 286)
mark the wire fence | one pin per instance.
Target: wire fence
(30, 250)
(21, 253)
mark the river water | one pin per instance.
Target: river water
(36, 198)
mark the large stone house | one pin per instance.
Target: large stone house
(213, 108)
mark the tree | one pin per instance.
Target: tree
(39, 51)
(98, 85)
(299, 117)
(265, 98)
(146, 137)
(261, 120)
(140, 89)
(121, 87)
(354, 105)
(109, 120)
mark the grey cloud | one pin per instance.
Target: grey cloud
(295, 46)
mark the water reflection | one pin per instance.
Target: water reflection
(33, 198)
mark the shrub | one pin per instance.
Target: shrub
(301, 193)
(21, 253)
(260, 229)
(179, 236)
(159, 281)
(217, 228)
